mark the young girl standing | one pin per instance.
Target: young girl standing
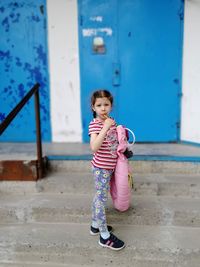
(103, 142)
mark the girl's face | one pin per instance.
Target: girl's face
(102, 107)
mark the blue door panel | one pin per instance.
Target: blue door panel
(96, 69)
(23, 62)
(152, 69)
(141, 65)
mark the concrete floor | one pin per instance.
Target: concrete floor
(178, 152)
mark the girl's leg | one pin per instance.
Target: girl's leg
(102, 186)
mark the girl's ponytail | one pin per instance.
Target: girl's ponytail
(94, 114)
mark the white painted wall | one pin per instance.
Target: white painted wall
(190, 118)
(64, 70)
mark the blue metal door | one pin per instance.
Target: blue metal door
(23, 62)
(134, 49)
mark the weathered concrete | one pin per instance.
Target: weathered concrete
(135, 263)
(15, 150)
(46, 223)
(149, 183)
(17, 187)
(72, 243)
(161, 184)
(139, 166)
(144, 210)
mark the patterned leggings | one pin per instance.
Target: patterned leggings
(102, 185)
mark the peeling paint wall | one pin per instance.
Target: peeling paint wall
(190, 122)
(23, 62)
(64, 69)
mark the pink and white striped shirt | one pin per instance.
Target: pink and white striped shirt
(106, 156)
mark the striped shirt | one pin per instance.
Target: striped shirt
(106, 156)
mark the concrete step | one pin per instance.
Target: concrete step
(144, 184)
(160, 184)
(144, 210)
(145, 165)
(135, 263)
(29, 264)
(71, 243)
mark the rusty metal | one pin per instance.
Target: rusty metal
(18, 170)
(15, 111)
(38, 135)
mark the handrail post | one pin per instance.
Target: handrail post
(38, 135)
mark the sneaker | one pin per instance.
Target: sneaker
(95, 231)
(112, 242)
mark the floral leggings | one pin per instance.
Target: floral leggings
(102, 185)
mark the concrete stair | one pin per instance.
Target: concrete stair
(71, 243)
(46, 223)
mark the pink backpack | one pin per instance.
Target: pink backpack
(119, 187)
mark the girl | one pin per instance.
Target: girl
(103, 142)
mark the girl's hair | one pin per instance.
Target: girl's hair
(100, 94)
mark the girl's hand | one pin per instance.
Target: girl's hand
(108, 122)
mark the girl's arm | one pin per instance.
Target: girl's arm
(96, 140)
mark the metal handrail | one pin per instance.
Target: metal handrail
(16, 110)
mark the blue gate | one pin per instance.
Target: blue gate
(133, 48)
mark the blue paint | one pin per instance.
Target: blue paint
(23, 62)
(14, 5)
(190, 143)
(21, 90)
(195, 160)
(35, 18)
(41, 54)
(5, 24)
(12, 15)
(2, 9)
(5, 55)
(16, 18)
(146, 42)
(2, 116)
(18, 62)
(69, 157)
